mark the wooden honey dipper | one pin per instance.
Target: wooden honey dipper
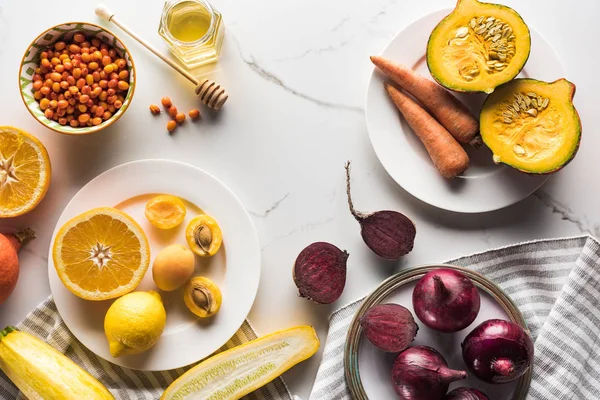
(211, 93)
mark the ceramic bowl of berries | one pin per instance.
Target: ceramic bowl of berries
(77, 78)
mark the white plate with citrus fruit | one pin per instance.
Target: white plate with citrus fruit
(186, 338)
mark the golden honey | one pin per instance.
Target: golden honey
(194, 30)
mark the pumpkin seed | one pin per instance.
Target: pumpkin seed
(462, 32)
(545, 102)
(534, 102)
(490, 19)
(533, 112)
(527, 100)
(473, 23)
(507, 120)
(480, 20)
(519, 150)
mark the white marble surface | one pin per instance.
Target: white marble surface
(296, 72)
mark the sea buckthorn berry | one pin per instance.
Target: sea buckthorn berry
(97, 121)
(173, 111)
(154, 109)
(122, 85)
(171, 125)
(118, 104)
(106, 60)
(166, 102)
(60, 45)
(180, 118)
(83, 118)
(123, 74)
(195, 113)
(78, 37)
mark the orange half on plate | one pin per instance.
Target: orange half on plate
(101, 254)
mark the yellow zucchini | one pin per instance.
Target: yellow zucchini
(42, 373)
(236, 372)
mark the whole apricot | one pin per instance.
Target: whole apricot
(173, 267)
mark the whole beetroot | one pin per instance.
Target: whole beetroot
(320, 272)
(389, 234)
(464, 393)
(389, 327)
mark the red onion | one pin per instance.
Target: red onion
(446, 300)
(389, 327)
(498, 351)
(464, 393)
(421, 373)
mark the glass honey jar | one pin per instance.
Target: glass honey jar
(193, 29)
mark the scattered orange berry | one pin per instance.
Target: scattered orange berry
(195, 113)
(173, 111)
(171, 125)
(166, 102)
(154, 109)
(180, 118)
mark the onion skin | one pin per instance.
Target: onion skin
(320, 272)
(389, 327)
(421, 373)
(498, 351)
(464, 393)
(446, 300)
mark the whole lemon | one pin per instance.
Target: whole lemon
(134, 323)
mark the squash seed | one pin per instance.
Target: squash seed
(462, 32)
(519, 150)
(533, 112)
(545, 102)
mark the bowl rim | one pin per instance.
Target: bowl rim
(97, 128)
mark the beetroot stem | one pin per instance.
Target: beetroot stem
(357, 214)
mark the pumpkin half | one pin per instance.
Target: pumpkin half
(478, 47)
(532, 125)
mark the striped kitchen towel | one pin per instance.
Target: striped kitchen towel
(555, 283)
(125, 384)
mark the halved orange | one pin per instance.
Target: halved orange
(24, 172)
(101, 254)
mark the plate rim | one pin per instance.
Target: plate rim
(255, 240)
(352, 344)
(421, 198)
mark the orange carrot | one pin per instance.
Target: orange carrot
(447, 155)
(446, 108)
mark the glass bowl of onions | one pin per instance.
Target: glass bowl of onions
(373, 371)
(77, 78)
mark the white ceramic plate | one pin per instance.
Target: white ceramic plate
(484, 186)
(235, 268)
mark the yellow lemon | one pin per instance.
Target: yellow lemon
(165, 211)
(134, 323)
(24, 172)
(101, 254)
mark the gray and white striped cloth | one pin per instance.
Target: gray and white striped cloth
(125, 384)
(555, 283)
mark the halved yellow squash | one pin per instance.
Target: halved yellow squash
(532, 125)
(478, 47)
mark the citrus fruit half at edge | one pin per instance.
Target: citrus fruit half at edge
(101, 254)
(24, 172)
